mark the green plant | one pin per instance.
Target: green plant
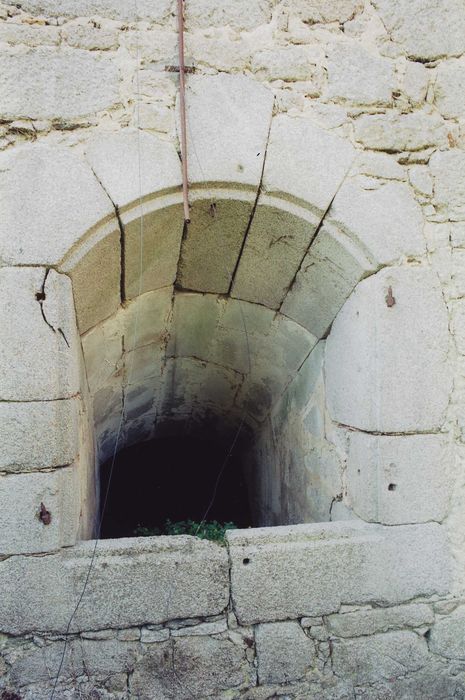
(212, 530)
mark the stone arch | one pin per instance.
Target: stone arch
(275, 251)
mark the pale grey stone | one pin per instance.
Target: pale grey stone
(15, 33)
(241, 14)
(132, 164)
(83, 656)
(413, 24)
(449, 89)
(21, 496)
(448, 635)
(396, 132)
(388, 656)
(328, 274)
(111, 9)
(38, 434)
(171, 577)
(370, 621)
(205, 628)
(448, 170)
(359, 76)
(131, 634)
(37, 334)
(307, 570)
(399, 479)
(228, 115)
(313, 11)
(150, 636)
(381, 384)
(387, 221)
(290, 63)
(379, 165)
(44, 85)
(199, 668)
(284, 652)
(42, 213)
(85, 36)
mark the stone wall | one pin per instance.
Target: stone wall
(317, 296)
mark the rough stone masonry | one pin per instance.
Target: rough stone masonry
(318, 295)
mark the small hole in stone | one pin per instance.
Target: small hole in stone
(40, 296)
(392, 487)
(358, 471)
(427, 634)
(246, 561)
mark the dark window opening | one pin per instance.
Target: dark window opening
(172, 478)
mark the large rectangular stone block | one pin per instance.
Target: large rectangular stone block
(308, 570)
(39, 345)
(134, 581)
(37, 434)
(21, 497)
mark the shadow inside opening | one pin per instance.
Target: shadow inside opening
(172, 478)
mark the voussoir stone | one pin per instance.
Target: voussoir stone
(49, 199)
(413, 24)
(41, 84)
(387, 221)
(229, 118)
(132, 165)
(388, 351)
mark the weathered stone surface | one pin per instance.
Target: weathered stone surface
(152, 243)
(415, 82)
(399, 479)
(284, 652)
(44, 85)
(192, 668)
(37, 434)
(21, 496)
(112, 9)
(97, 259)
(307, 570)
(86, 36)
(132, 165)
(370, 621)
(448, 635)
(320, 161)
(213, 243)
(275, 245)
(171, 577)
(328, 274)
(313, 11)
(395, 132)
(102, 349)
(387, 221)
(37, 335)
(239, 15)
(449, 89)
(13, 33)
(288, 64)
(228, 114)
(380, 385)
(379, 165)
(49, 200)
(413, 24)
(448, 170)
(358, 76)
(386, 656)
(83, 657)
(204, 628)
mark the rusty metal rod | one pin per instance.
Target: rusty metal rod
(182, 109)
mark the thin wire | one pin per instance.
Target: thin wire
(131, 367)
(238, 431)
